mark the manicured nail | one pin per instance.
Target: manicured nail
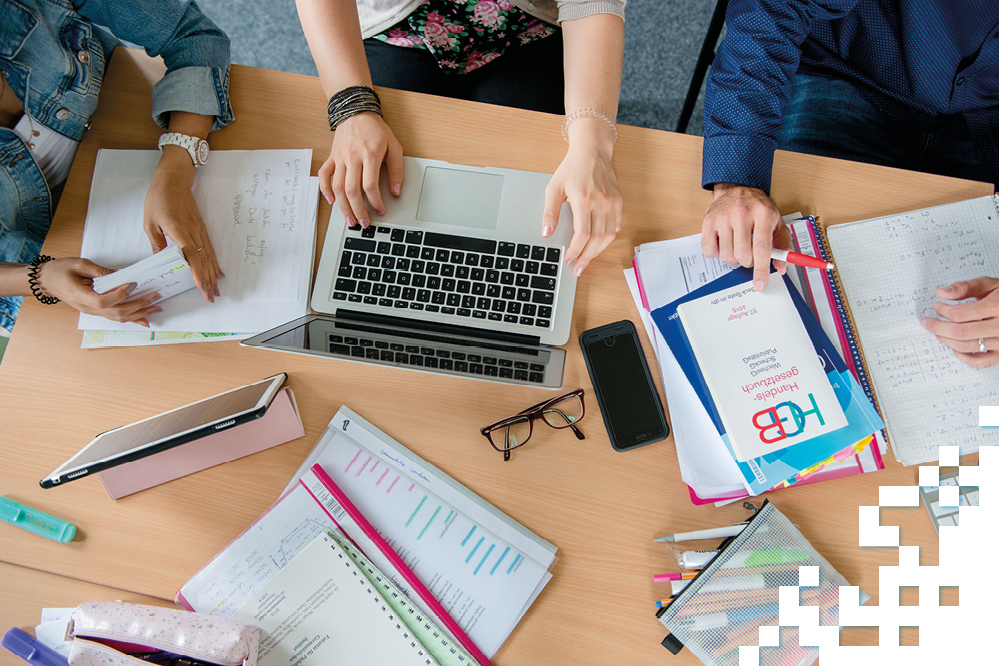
(380, 211)
(216, 290)
(131, 287)
(364, 224)
(759, 286)
(155, 298)
(546, 231)
(329, 199)
(157, 309)
(142, 322)
(568, 262)
(350, 221)
(579, 271)
(396, 189)
(221, 274)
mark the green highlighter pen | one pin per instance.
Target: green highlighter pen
(35, 521)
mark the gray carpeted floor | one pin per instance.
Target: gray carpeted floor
(662, 40)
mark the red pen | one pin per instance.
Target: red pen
(800, 259)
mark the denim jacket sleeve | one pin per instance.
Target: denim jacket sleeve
(750, 82)
(195, 50)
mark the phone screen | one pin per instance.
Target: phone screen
(630, 408)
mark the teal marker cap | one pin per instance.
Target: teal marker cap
(36, 521)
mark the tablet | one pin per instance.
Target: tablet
(169, 429)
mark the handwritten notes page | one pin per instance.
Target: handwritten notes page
(255, 205)
(890, 268)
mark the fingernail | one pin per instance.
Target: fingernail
(568, 262)
(216, 290)
(546, 231)
(329, 199)
(579, 271)
(155, 298)
(364, 224)
(380, 211)
(221, 274)
(142, 322)
(922, 322)
(759, 286)
(350, 221)
(131, 287)
(158, 309)
(396, 189)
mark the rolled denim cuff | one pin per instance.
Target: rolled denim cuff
(9, 307)
(738, 159)
(201, 90)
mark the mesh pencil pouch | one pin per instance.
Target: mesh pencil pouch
(724, 606)
(112, 633)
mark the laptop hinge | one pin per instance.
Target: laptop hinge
(453, 329)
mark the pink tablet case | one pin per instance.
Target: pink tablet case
(280, 423)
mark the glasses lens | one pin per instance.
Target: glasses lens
(510, 435)
(564, 412)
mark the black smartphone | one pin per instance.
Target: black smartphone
(629, 402)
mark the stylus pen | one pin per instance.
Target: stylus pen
(717, 532)
(800, 259)
(35, 521)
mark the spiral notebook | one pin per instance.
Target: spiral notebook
(888, 270)
(321, 609)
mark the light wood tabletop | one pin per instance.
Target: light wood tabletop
(601, 508)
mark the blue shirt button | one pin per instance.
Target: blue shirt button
(960, 81)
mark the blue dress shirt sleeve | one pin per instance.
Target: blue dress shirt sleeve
(194, 49)
(750, 82)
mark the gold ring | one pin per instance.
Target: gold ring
(201, 248)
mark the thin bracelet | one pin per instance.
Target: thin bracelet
(351, 101)
(576, 115)
(36, 289)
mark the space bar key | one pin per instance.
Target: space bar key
(459, 243)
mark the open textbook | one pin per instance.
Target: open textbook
(260, 210)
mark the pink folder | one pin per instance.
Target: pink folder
(280, 423)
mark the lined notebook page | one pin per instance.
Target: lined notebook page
(890, 268)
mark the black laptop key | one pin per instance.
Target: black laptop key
(530, 309)
(383, 230)
(499, 305)
(523, 251)
(520, 375)
(468, 301)
(447, 270)
(384, 247)
(502, 263)
(535, 377)
(373, 261)
(546, 283)
(426, 351)
(385, 302)
(447, 284)
(543, 297)
(357, 351)
(388, 277)
(398, 249)
(371, 353)
(398, 235)
(493, 291)
(367, 343)
(491, 371)
(457, 257)
(532, 267)
(478, 288)
(453, 300)
(433, 268)
(433, 282)
(464, 312)
(513, 307)
(403, 279)
(544, 311)
(550, 270)
(462, 272)
(495, 316)
(509, 293)
(450, 242)
(423, 295)
(437, 299)
(507, 278)
(538, 253)
(447, 311)
(386, 355)
(409, 293)
(368, 232)
(442, 255)
(443, 353)
(460, 366)
(553, 254)
(506, 373)
(413, 251)
(524, 295)
(430, 362)
(354, 298)
(345, 270)
(401, 358)
(475, 368)
(359, 272)
(478, 274)
(505, 362)
(464, 287)
(370, 300)
(343, 284)
(479, 314)
(543, 323)
(492, 276)
(381, 344)
(418, 266)
(458, 356)
(336, 338)
(412, 349)
(388, 262)
(517, 265)
(401, 305)
(361, 244)
(340, 349)
(402, 264)
(471, 259)
(506, 249)
(416, 360)
(526, 321)
(415, 306)
(446, 364)
(394, 291)
(375, 275)
(510, 319)
(427, 253)
(482, 303)
(520, 365)
(414, 237)
(432, 308)
(359, 259)
(486, 261)
(523, 279)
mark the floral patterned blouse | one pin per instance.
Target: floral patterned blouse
(464, 35)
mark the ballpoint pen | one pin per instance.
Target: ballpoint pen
(31, 650)
(36, 521)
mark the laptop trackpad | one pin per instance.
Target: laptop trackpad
(462, 198)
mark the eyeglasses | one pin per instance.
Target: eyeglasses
(513, 432)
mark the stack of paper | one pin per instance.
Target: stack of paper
(260, 210)
(166, 273)
(664, 271)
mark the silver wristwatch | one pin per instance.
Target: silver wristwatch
(198, 148)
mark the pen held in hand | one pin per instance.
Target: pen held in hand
(800, 259)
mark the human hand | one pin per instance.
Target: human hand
(170, 210)
(360, 144)
(742, 225)
(585, 179)
(71, 280)
(971, 324)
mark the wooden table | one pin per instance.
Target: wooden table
(600, 507)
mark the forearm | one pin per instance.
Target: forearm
(14, 279)
(594, 48)
(175, 158)
(333, 32)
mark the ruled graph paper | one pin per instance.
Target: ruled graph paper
(890, 268)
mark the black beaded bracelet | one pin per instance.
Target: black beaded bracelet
(33, 280)
(351, 101)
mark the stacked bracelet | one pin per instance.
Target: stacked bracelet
(33, 280)
(351, 101)
(576, 115)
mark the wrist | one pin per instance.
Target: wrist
(592, 135)
(175, 164)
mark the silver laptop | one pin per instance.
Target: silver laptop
(459, 254)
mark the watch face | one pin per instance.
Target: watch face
(202, 151)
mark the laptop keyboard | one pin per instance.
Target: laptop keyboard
(466, 278)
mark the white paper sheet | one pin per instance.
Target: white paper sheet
(256, 207)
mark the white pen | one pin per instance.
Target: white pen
(715, 533)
